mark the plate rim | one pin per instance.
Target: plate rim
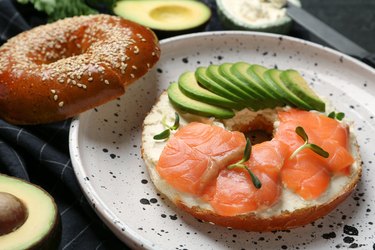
(129, 236)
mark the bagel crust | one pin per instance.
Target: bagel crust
(291, 212)
(58, 70)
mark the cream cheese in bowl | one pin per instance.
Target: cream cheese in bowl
(259, 15)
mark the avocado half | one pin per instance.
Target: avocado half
(231, 20)
(165, 16)
(29, 217)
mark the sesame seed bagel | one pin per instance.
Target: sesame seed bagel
(58, 70)
(290, 211)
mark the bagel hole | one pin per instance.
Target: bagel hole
(258, 129)
(258, 136)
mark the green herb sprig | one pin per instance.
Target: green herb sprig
(338, 116)
(245, 158)
(167, 132)
(315, 148)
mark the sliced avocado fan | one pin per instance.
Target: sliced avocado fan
(219, 90)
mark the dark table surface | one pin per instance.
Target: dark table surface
(40, 153)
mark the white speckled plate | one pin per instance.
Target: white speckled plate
(105, 146)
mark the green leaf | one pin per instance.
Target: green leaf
(247, 151)
(176, 122)
(254, 178)
(318, 150)
(340, 116)
(163, 135)
(315, 148)
(301, 132)
(245, 158)
(332, 115)
(166, 133)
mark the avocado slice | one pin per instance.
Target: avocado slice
(190, 87)
(208, 83)
(297, 84)
(189, 105)
(40, 229)
(241, 71)
(272, 76)
(213, 74)
(257, 71)
(164, 15)
(225, 71)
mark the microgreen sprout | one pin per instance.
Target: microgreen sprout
(315, 148)
(339, 116)
(245, 158)
(167, 132)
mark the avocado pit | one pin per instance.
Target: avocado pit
(13, 213)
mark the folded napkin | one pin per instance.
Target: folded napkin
(40, 154)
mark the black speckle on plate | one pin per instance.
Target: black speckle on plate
(173, 217)
(328, 236)
(350, 230)
(144, 201)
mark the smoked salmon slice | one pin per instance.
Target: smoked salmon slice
(197, 152)
(233, 193)
(306, 174)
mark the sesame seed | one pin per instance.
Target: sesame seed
(53, 91)
(136, 50)
(55, 97)
(106, 81)
(132, 76)
(134, 67)
(61, 104)
(90, 79)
